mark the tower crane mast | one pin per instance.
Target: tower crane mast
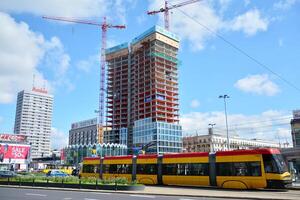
(166, 9)
(104, 27)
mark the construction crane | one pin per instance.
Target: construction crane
(166, 9)
(104, 27)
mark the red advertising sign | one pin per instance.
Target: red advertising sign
(12, 153)
(12, 138)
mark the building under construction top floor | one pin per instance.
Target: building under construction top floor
(142, 83)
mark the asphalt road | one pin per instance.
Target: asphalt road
(36, 194)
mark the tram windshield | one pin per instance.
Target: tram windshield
(274, 164)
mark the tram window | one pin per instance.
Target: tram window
(189, 169)
(146, 169)
(274, 164)
(90, 169)
(224, 169)
(255, 168)
(270, 164)
(105, 168)
(239, 169)
(120, 169)
(197, 169)
(170, 169)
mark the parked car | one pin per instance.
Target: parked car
(7, 174)
(56, 173)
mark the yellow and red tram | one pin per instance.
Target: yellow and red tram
(242, 169)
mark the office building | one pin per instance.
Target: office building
(33, 119)
(142, 89)
(85, 132)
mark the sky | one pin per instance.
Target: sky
(262, 82)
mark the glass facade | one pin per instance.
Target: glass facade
(123, 136)
(297, 137)
(157, 137)
(74, 154)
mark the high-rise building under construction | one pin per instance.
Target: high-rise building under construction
(142, 93)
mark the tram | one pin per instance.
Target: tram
(237, 169)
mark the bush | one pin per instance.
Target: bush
(88, 180)
(118, 180)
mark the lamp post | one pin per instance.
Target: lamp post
(211, 126)
(224, 97)
(210, 133)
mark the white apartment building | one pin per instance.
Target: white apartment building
(216, 142)
(34, 118)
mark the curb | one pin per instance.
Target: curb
(137, 192)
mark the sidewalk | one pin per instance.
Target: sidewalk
(215, 192)
(197, 192)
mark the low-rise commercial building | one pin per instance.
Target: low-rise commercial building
(295, 127)
(216, 142)
(74, 154)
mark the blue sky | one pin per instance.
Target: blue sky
(66, 57)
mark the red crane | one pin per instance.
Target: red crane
(167, 8)
(104, 26)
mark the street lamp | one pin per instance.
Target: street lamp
(211, 125)
(210, 133)
(225, 96)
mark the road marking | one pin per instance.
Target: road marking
(143, 196)
(67, 198)
(34, 194)
(186, 199)
(89, 199)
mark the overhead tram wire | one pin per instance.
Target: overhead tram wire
(251, 122)
(243, 129)
(241, 51)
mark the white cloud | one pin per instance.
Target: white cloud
(250, 23)
(115, 10)
(195, 103)
(268, 125)
(58, 139)
(67, 8)
(186, 28)
(224, 4)
(88, 64)
(210, 15)
(258, 84)
(284, 4)
(21, 53)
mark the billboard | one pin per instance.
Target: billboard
(14, 153)
(12, 138)
(84, 123)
